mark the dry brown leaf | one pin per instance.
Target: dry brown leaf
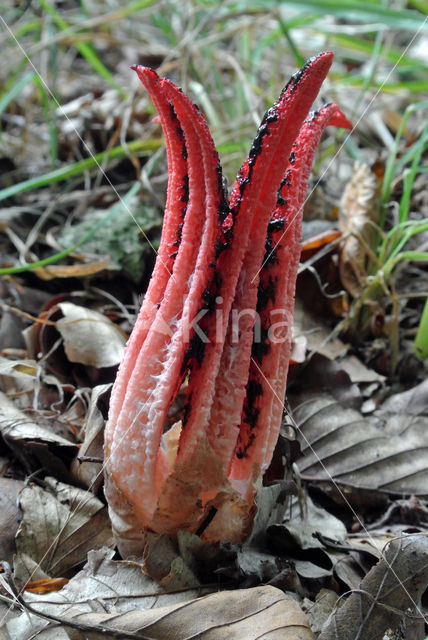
(302, 524)
(47, 585)
(390, 592)
(253, 614)
(359, 212)
(358, 372)
(413, 401)
(16, 427)
(163, 563)
(135, 604)
(322, 374)
(9, 516)
(60, 525)
(88, 472)
(319, 611)
(18, 375)
(342, 445)
(89, 337)
(317, 334)
(313, 243)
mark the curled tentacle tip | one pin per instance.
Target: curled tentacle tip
(338, 119)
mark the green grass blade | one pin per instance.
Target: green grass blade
(353, 43)
(15, 90)
(391, 166)
(421, 341)
(285, 29)
(85, 49)
(365, 12)
(410, 256)
(422, 6)
(137, 146)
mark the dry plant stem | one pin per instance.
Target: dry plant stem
(361, 313)
(387, 594)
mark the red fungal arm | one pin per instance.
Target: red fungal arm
(207, 271)
(252, 201)
(151, 370)
(261, 418)
(177, 199)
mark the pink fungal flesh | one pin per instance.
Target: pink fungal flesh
(217, 262)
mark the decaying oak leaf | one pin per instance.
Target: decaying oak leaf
(359, 214)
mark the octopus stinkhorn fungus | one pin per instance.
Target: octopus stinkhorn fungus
(217, 316)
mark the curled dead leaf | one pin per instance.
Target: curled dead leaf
(47, 585)
(69, 335)
(316, 242)
(90, 337)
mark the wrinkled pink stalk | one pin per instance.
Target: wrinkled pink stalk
(209, 268)
(150, 371)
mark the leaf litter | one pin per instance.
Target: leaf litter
(387, 452)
